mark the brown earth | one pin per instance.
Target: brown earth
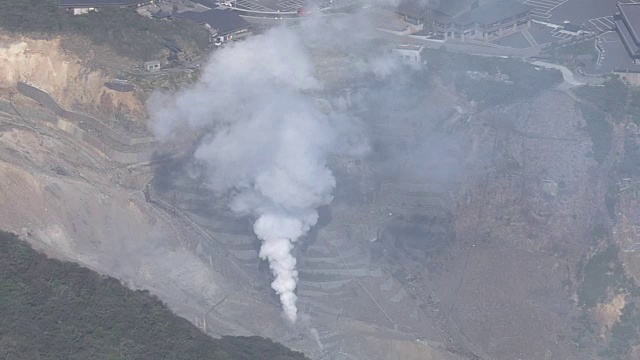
(43, 64)
(505, 288)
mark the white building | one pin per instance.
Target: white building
(409, 53)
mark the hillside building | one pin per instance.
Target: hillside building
(627, 22)
(467, 19)
(152, 65)
(409, 53)
(224, 25)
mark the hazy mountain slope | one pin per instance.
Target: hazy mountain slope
(52, 310)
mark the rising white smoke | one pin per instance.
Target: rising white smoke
(269, 144)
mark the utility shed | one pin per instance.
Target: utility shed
(152, 65)
(224, 25)
(409, 53)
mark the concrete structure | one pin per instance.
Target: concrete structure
(79, 7)
(152, 65)
(285, 10)
(627, 22)
(487, 22)
(480, 21)
(409, 53)
(224, 25)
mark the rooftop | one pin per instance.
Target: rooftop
(491, 13)
(625, 34)
(224, 21)
(98, 3)
(631, 14)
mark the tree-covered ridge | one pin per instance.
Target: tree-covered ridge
(51, 309)
(123, 30)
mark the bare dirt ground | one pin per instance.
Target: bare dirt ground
(43, 64)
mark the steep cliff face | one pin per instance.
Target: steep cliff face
(43, 63)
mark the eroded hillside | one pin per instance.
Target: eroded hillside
(43, 64)
(464, 237)
(81, 191)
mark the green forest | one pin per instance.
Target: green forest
(122, 29)
(51, 309)
(523, 82)
(613, 101)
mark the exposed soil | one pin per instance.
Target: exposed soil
(478, 264)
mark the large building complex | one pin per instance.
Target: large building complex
(627, 22)
(224, 25)
(467, 19)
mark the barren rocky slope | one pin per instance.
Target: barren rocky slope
(71, 200)
(482, 263)
(43, 64)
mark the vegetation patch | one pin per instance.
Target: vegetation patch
(123, 30)
(614, 101)
(602, 279)
(630, 164)
(599, 129)
(59, 310)
(602, 274)
(624, 334)
(491, 81)
(610, 98)
(583, 48)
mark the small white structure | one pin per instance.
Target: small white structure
(409, 53)
(152, 65)
(81, 11)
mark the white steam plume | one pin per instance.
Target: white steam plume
(269, 143)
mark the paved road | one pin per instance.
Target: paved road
(570, 79)
(567, 75)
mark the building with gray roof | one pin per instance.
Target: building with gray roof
(467, 19)
(224, 25)
(627, 22)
